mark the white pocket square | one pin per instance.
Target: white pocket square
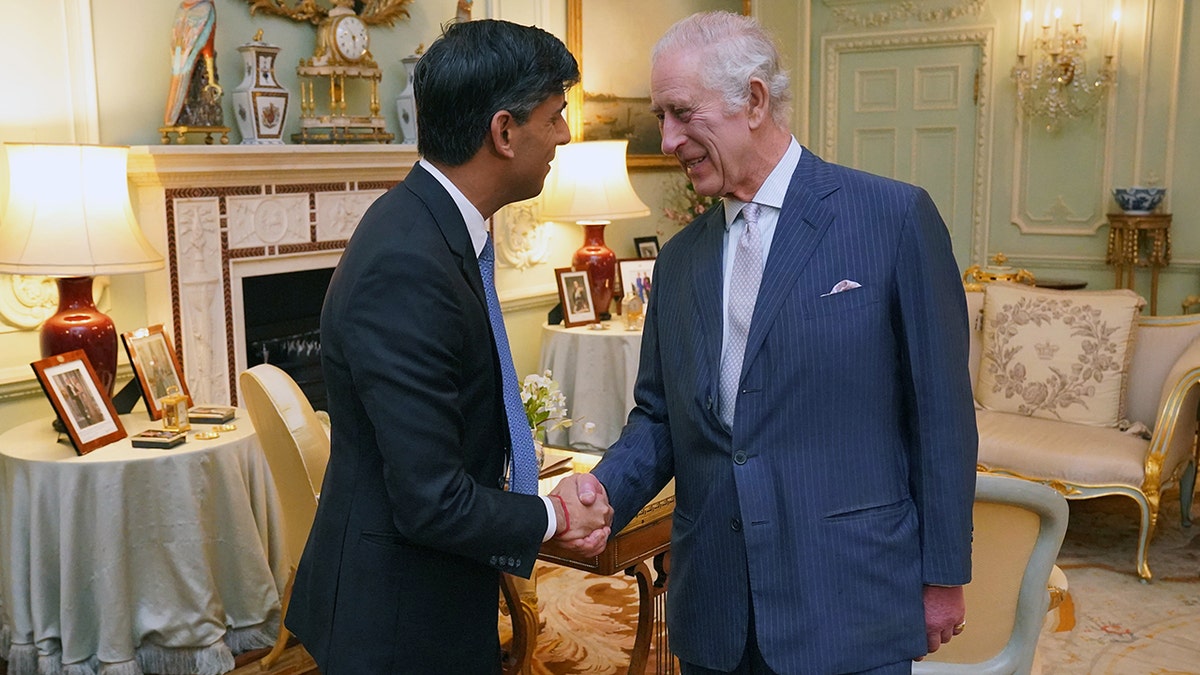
(843, 285)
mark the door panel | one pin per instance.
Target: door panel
(910, 114)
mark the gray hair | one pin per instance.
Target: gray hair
(733, 48)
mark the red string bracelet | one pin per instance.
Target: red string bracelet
(566, 514)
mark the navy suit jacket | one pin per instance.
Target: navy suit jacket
(401, 569)
(847, 480)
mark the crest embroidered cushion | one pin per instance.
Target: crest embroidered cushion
(1060, 355)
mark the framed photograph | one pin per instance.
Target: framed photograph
(156, 366)
(647, 247)
(635, 275)
(575, 293)
(86, 411)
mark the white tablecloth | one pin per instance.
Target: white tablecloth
(131, 559)
(596, 370)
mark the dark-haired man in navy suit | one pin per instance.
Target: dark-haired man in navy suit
(400, 573)
(804, 380)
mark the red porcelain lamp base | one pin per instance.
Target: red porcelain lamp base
(601, 264)
(79, 325)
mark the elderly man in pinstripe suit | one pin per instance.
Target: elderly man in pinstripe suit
(804, 379)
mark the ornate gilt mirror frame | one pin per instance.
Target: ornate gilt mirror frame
(643, 158)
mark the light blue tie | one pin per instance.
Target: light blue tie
(524, 458)
(744, 281)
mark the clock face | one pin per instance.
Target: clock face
(350, 38)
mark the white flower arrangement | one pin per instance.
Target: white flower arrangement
(545, 405)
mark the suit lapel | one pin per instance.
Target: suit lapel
(707, 275)
(449, 221)
(802, 223)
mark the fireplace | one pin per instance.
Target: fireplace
(230, 218)
(281, 314)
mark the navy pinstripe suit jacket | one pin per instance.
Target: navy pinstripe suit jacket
(848, 477)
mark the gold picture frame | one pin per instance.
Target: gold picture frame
(575, 294)
(80, 402)
(626, 114)
(156, 366)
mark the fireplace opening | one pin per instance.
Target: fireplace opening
(282, 321)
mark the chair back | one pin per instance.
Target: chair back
(296, 445)
(1019, 527)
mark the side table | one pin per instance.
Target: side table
(1125, 244)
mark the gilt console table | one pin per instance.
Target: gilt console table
(1128, 235)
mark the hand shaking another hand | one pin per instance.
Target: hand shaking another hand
(584, 515)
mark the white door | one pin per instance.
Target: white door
(910, 114)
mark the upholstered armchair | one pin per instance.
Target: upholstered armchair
(1019, 527)
(1149, 448)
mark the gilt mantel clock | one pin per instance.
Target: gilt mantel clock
(339, 83)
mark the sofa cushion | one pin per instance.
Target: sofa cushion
(1041, 448)
(1060, 355)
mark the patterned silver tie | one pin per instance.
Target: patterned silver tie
(744, 281)
(524, 457)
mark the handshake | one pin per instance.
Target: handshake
(584, 515)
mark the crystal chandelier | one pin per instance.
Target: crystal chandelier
(1054, 85)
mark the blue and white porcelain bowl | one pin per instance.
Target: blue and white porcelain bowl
(1138, 200)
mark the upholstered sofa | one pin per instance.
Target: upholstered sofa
(1084, 461)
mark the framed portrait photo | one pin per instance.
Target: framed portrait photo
(85, 409)
(575, 293)
(156, 366)
(647, 247)
(635, 276)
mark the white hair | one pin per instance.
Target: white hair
(733, 49)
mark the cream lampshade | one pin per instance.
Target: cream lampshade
(69, 216)
(589, 185)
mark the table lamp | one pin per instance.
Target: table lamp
(69, 216)
(589, 185)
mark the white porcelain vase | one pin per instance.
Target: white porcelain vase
(260, 103)
(406, 103)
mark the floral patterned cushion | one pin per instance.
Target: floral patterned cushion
(1060, 355)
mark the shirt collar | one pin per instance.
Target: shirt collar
(476, 226)
(773, 189)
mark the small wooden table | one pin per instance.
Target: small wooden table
(646, 538)
(1125, 234)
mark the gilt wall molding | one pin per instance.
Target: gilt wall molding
(905, 11)
(834, 46)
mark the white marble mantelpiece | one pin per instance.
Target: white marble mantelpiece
(223, 213)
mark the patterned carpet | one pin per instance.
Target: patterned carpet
(1120, 625)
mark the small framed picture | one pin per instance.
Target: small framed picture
(156, 366)
(575, 293)
(636, 275)
(647, 247)
(86, 411)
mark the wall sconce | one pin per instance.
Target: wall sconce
(1053, 84)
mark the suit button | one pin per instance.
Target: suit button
(492, 560)
(708, 403)
(739, 457)
(735, 524)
